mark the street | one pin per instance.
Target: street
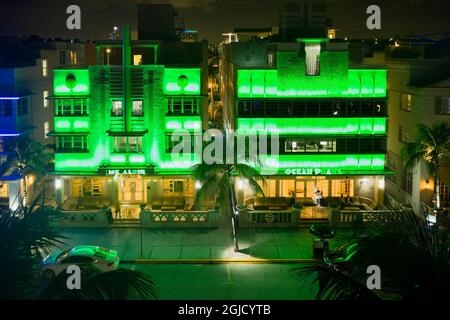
(226, 281)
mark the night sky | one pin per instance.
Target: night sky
(213, 17)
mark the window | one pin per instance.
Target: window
(73, 57)
(187, 141)
(443, 105)
(134, 144)
(69, 107)
(62, 57)
(45, 95)
(44, 68)
(310, 145)
(176, 186)
(402, 135)
(270, 59)
(128, 144)
(312, 59)
(71, 144)
(407, 182)
(182, 106)
(116, 108)
(137, 59)
(22, 106)
(46, 129)
(137, 108)
(2, 144)
(406, 102)
(6, 108)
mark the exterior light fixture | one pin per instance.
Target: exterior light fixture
(198, 185)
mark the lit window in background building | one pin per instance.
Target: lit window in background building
(331, 34)
(406, 102)
(46, 129)
(73, 57)
(44, 68)
(137, 59)
(312, 59)
(45, 95)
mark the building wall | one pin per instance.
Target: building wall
(402, 75)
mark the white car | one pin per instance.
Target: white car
(58, 261)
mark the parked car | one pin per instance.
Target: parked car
(58, 261)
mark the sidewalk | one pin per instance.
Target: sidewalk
(172, 244)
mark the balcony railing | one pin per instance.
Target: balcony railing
(180, 218)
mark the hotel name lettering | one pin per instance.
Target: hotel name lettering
(113, 172)
(313, 171)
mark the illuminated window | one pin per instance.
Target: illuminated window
(137, 108)
(44, 68)
(45, 95)
(73, 57)
(137, 59)
(127, 144)
(3, 190)
(71, 144)
(406, 102)
(310, 145)
(312, 59)
(116, 110)
(46, 129)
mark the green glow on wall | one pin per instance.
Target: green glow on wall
(71, 124)
(313, 126)
(66, 85)
(285, 84)
(345, 162)
(182, 81)
(187, 123)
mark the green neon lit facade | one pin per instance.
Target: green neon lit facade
(71, 82)
(283, 84)
(313, 126)
(178, 81)
(102, 130)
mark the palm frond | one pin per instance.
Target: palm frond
(333, 285)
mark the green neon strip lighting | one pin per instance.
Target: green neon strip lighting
(295, 84)
(182, 81)
(310, 126)
(323, 164)
(72, 124)
(71, 82)
(186, 123)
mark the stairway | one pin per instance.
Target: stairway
(126, 223)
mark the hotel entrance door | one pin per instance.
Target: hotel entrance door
(131, 195)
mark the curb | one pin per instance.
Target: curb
(218, 261)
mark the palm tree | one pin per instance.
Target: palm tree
(220, 179)
(413, 259)
(27, 157)
(26, 236)
(121, 284)
(432, 144)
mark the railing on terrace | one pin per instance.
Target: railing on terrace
(347, 218)
(269, 218)
(180, 219)
(83, 218)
